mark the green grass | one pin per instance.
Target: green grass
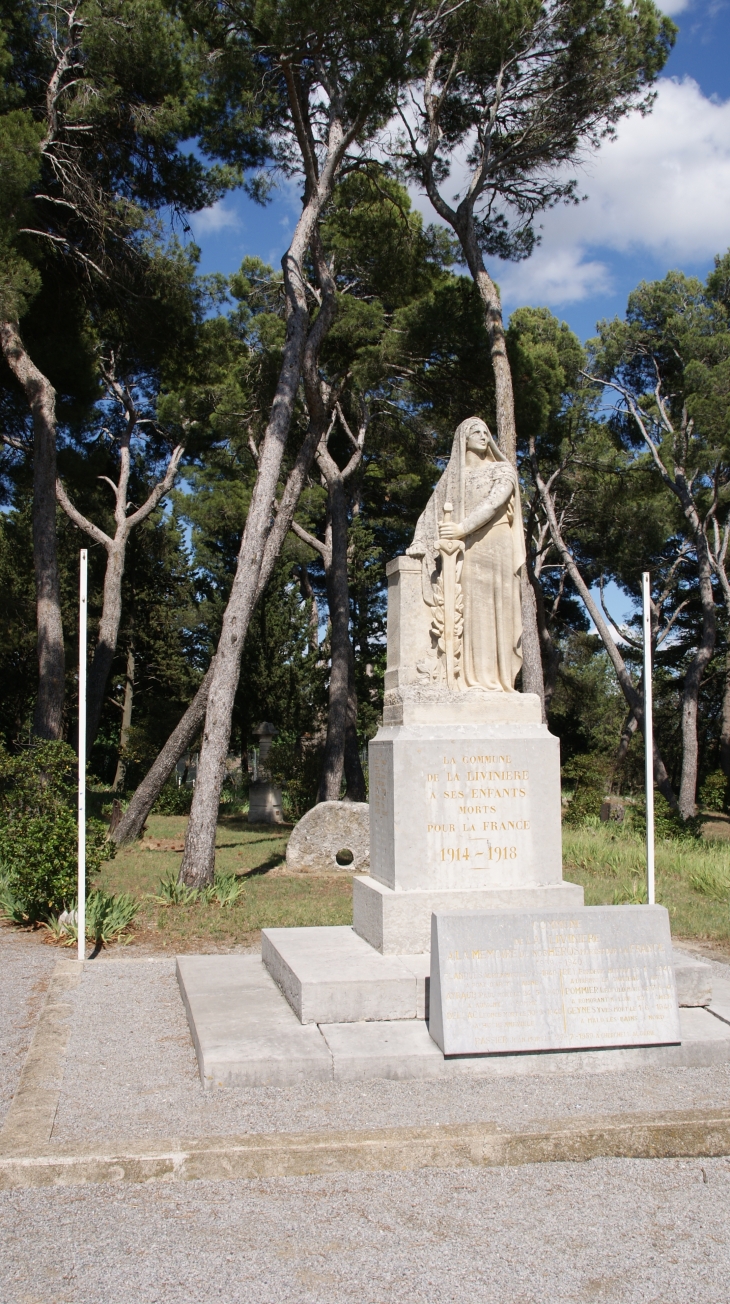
(690, 877)
(251, 852)
(692, 881)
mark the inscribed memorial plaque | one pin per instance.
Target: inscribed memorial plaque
(519, 980)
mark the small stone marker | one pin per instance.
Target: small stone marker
(613, 808)
(333, 837)
(518, 980)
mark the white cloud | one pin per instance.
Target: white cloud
(662, 186)
(665, 182)
(554, 275)
(673, 7)
(209, 221)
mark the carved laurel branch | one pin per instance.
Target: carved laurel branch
(437, 622)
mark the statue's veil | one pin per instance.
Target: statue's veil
(450, 489)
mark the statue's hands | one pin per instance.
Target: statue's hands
(450, 530)
(413, 551)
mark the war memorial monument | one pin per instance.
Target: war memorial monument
(468, 952)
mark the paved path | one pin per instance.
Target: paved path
(610, 1230)
(131, 1072)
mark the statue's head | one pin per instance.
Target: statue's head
(477, 436)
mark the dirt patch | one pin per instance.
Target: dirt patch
(707, 948)
(162, 844)
(716, 826)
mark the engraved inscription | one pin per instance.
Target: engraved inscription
(476, 806)
(545, 982)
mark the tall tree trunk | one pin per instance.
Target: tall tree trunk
(121, 770)
(338, 599)
(308, 594)
(133, 820)
(630, 726)
(106, 643)
(41, 397)
(532, 676)
(180, 741)
(692, 681)
(549, 655)
(532, 672)
(725, 727)
(116, 547)
(198, 863)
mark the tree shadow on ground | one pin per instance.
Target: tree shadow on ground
(263, 868)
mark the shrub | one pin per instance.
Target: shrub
(38, 832)
(590, 776)
(108, 917)
(174, 800)
(713, 793)
(296, 765)
(668, 824)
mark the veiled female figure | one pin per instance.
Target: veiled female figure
(482, 488)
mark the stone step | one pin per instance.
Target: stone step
(693, 978)
(244, 1033)
(330, 975)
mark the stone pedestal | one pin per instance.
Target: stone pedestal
(463, 816)
(265, 803)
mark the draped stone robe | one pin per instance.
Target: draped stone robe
(493, 557)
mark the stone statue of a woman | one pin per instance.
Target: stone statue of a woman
(474, 517)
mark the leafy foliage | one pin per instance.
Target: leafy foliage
(38, 832)
(109, 917)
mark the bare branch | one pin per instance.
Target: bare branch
(82, 522)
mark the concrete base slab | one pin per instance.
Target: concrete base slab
(330, 975)
(405, 1050)
(379, 1050)
(399, 923)
(245, 1034)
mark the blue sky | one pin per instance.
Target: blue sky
(658, 197)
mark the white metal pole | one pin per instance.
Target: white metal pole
(81, 896)
(648, 738)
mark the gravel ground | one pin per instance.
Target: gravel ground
(608, 1231)
(131, 1072)
(26, 968)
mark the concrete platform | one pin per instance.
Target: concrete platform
(406, 1050)
(399, 923)
(245, 1034)
(330, 975)
(693, 978)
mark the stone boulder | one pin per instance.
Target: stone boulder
(333, 837)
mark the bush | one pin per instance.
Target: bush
(590, 776)
(38, 832)
(108, 918)
(296, 765)
(713, 793)
(174, 800)
(668, 824)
